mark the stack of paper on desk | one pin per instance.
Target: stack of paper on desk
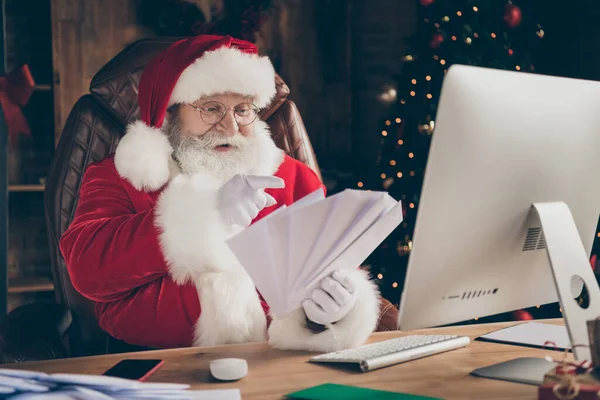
(288, 252)
(20, 384)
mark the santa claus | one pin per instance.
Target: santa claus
(147, 242)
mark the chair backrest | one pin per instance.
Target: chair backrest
(93, 129)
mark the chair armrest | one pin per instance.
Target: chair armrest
(35, 332)
(388, 317)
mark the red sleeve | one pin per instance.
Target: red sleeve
(307, 181)
(108, 248)
(161, 314)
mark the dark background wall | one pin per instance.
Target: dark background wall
(338, 55)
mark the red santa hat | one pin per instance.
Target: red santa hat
(184, 72)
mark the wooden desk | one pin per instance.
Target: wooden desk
(272, 373)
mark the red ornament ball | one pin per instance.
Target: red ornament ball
(522, 315)
(436, 40)
(512, 15)
(511, 52)
(427, 2)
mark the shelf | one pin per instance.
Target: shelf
(43, 88)
(26, 188)
(30, 285)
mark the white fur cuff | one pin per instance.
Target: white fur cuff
(291, 333)
(192, 233)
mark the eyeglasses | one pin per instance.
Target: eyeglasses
(213, 112)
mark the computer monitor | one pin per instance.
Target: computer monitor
(504, 141)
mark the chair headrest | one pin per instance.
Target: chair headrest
(116, 84)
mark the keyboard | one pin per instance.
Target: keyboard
(394, 351)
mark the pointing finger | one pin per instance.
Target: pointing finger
(265, 182)
(260, 199)
(270, 200)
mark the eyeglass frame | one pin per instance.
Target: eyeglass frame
(197, 108)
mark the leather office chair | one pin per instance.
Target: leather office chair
(91, 132)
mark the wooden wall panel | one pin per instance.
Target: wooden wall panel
(324, 49)
(309, 44)
(87, 34)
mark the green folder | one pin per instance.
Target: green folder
(330, 391)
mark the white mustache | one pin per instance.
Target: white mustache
(212, 139)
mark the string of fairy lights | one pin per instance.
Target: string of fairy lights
(469, 37)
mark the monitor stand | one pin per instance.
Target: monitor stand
(570, 268)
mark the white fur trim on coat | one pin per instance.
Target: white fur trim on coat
(230, 310)
(143, 157)
(291, 332)
(193, 233)
(271, 155)
(192, 237)
(226, 70)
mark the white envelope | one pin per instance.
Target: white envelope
(289, 252)
(94, 381)
(21, 373)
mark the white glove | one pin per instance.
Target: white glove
(333, 300)
(242, 197)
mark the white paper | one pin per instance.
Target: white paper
(91, 381)
(532, 334)
(18, 373)
(217, 394)
(222, 394)
(22, 384)
(288, 253)
(80, 386)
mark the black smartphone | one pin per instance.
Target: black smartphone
(134, 369)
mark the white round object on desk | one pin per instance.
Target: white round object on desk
(229, 369)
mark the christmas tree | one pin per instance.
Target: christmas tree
(486, 33)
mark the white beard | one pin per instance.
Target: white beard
(196, 154)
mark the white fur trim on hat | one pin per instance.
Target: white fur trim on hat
(291, 332)
(226, 70)
(143, 157)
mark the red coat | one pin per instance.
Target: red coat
(153, 258)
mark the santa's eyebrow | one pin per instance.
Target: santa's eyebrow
(204, 100)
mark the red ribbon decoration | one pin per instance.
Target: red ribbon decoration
(15, 90)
